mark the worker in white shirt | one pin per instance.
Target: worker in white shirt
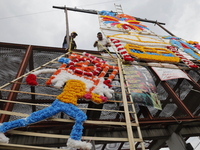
(101, 44)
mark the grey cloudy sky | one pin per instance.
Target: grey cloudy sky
(35, 22)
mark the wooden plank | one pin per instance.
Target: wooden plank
(69, 120)
(28, 93)
(46, 105)
(24, 147)
(15, 91)
(111, 139)
(95, 122)
(13, 113)
(114, 101)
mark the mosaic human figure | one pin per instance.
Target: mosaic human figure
(82, 81)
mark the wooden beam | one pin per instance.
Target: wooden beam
(27, 147)
(111, 139)
(46, 105)
(31, 67)
(69, 120)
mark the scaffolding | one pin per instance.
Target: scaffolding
(119, 122)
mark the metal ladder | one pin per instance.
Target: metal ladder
(119, 9)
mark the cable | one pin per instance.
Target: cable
(26, 14)
(55, 10)
(176, 120)
(98, 3)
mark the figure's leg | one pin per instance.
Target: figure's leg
(76, 133)
(33, 118)
(78, 126)
(44, 113)
(12, 124)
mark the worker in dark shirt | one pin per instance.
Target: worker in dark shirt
(71, 40)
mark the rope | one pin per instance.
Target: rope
(70, 45)
(105, 49)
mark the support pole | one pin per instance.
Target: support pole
(67, 28)
(164, 29)
(67, 24)
(31, 67)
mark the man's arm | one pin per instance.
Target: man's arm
(95, 43)
(107, 43)
(75, 45)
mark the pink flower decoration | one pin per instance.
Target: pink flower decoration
(87, 96)
(103, 98)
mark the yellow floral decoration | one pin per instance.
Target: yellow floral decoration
(96, 98)
(157, 56)
(73, 90)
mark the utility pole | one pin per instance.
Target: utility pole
(67, 24)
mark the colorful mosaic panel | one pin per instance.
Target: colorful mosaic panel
(122, 21)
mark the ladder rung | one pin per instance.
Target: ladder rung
(138, 140)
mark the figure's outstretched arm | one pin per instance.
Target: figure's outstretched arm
(31, 78)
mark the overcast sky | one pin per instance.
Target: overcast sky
(35, 22)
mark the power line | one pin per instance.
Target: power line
(54, 10)
(26, 14)
(98, 3)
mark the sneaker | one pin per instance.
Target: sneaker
(78, 144)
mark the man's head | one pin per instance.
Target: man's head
(99, 36)
(74, 34)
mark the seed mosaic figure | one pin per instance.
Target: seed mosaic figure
(82, 81)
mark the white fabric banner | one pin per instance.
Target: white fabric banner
(168, 74)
